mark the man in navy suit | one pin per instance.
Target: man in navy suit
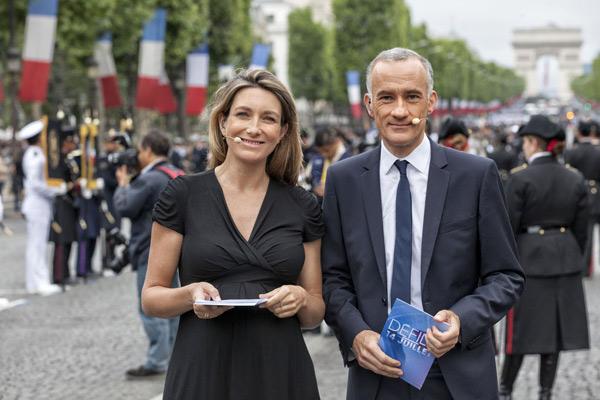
(460, 263)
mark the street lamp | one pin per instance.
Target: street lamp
(180, 85)
(13, 65)
(92, 74)
(13, 59)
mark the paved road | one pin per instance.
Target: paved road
(78, 344)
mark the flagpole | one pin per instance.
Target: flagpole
(13, 58)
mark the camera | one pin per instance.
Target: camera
(121, 261)
(127, 157)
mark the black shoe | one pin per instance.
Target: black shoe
(505, 393)
(142, 372)
(93, 275)
(71, 281)
(314, 331)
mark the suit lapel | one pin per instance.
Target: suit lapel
(371, 193)
(437, 187)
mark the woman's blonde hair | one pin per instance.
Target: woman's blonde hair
(285, 161)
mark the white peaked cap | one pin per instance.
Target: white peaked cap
(31, 129)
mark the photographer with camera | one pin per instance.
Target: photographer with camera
(110, 218)
(134, 199)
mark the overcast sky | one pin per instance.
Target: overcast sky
(487, 26)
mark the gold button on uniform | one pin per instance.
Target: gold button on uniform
(562, 230)
(542, 231)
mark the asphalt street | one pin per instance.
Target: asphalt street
(78, 344)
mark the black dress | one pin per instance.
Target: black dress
(247, 352)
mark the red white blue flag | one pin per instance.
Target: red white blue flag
(38, 50)
(152, 49)
(107, 72)
(197, 64)
(165, 101)
(353, 79)
(260, 56)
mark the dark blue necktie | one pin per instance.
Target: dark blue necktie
(403, 246)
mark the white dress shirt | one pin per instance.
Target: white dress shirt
(418, 173)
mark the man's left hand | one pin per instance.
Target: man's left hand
(438, 342)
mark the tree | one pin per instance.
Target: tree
(230, 36)
(364, 29)
(308, 63)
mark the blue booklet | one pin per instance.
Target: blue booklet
(403, 338)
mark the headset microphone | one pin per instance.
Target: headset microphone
(235, 139)
(417, 120)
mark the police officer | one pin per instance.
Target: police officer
(63, 229)
(88, 226)
(37, 209)
(505, 157)
(586, 158)
(547, 206)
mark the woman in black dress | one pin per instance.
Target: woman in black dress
(241, 230)
(548, 209)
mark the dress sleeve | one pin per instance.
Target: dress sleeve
(314, 228)
(169, 210)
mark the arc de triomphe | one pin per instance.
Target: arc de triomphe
(565, 44)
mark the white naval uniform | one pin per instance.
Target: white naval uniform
(37, 209)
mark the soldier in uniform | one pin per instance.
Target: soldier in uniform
(37, 209)
(63, 230)
(586, 158)
(547, 206)
(88, 226)
(505, 157)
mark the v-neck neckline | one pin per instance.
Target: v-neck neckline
(258, 216)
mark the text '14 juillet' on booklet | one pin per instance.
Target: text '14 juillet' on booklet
(403, 338)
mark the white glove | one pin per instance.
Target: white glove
(100, 183)
(62, 189)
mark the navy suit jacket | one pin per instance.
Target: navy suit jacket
(469, 262)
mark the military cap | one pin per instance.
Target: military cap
(541, 126)
(68, 133)
(31, 129)
(121, 138)
(452, 126)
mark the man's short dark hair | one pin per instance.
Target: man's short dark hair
(34, 139)
(585, 128)
(158, 142)
(325, 136)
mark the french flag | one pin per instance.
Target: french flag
(152, 49)
(107, 72)
(38, 50)
(353, 79)
(197, 64)
(260, 56)
(165, 101)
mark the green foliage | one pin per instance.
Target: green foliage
(364, 29)
(588, 85)
(309, 66)
(230, 36)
